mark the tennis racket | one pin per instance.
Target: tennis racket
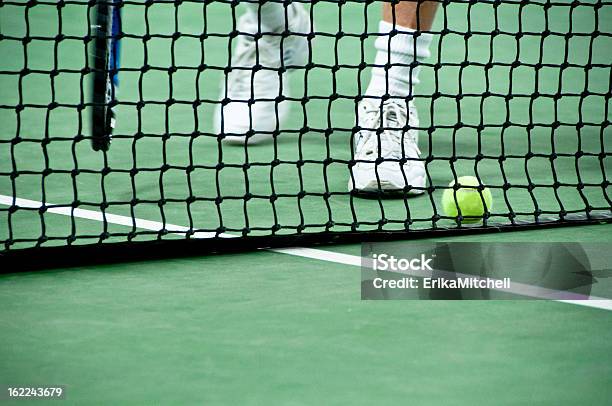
(105, 68)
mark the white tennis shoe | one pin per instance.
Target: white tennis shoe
(386, 149)
(252, 95)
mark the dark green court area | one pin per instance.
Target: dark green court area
(248, 328)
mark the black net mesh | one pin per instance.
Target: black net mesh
(513, 93)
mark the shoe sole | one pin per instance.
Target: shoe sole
(385, 189)
(255, 139)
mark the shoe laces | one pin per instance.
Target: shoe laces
(389, 119)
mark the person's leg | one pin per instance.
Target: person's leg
(387, 114)
(410, 44)
(253, 109)
(411, 14)
(272, 15)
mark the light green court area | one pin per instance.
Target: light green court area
(542, 145)
(261, 328)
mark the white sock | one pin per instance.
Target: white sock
(403, 48)
(272, 15)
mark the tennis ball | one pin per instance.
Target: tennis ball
(468, 198)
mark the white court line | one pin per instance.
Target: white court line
(110, 218)
(311, 253)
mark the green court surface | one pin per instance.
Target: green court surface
(261, 328)
(271, 328)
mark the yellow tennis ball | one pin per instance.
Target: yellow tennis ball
(468, 198)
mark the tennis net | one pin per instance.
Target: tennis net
(514, 93)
